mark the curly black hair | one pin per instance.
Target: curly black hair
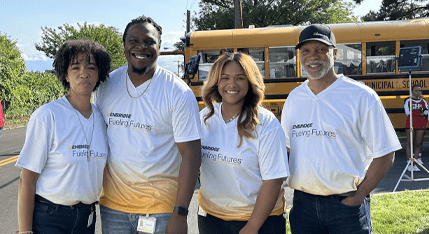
(70, 50)
(142, 19)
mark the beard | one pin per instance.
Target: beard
(326, 66)
(139, 71)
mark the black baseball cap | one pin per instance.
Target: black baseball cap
(317, 32)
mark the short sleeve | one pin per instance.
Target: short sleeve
(186, 119)
(378, 132)
(273, 154)
(34, 153)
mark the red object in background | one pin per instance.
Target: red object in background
(1, 116)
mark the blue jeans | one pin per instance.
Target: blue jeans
(117, 222)
(326, 214)
(55, 219)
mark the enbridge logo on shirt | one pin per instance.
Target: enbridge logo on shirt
(210, 148)
(120, 115)
(307, 125)
(307, 130)
(124, 120)
(78, 147)
(218, 157)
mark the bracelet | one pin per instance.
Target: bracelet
(27, 232)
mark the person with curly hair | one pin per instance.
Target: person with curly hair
(244, 157)
(65, 149)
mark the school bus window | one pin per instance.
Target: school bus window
(348, 59)
(282, 62)
(425, 54)
(380, 57)
(257, 55)
(207, 59)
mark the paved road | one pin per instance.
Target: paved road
(11, 142)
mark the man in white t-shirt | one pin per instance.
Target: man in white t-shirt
(154, 134)
(341, 142)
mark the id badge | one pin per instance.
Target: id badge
(201, 212)
(146, 224)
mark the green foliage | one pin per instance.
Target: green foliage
(25, 91)
(109, 37)
(180, 46)
(404, 212)
(215, 14)
(32, 90)
(399, 10)
(12, 66)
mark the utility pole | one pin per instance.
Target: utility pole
(178, 66)
(188, 21)
(238, 14)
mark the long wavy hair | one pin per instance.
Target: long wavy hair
(252, 100)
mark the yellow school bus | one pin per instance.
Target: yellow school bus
(367, 52)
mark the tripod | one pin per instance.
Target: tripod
(412, 159)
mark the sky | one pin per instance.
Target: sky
(23, 20)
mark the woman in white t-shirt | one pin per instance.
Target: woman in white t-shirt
(65, 149)
(244, 158)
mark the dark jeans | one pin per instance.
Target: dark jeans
(213, 225)
(326, 214)
(50, 218)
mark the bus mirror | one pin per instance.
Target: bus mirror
(192, 66)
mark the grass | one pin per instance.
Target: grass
(15, 122)
(403, 212)
(399, 213)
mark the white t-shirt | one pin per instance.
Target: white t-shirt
(144, 161)
(56, 148)
(231, 177)
(333, 136)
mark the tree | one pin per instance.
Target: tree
(180, 46)
(12, 66)
(24, 91)
(219, 14)
(398, 10)
(109, 37)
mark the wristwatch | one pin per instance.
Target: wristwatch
(180, 210)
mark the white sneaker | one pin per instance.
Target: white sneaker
(415, 168)
(420, 160)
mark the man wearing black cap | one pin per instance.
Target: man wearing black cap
(341, 142)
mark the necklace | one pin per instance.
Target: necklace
(88, 144)
(126, 84)
(231, 119)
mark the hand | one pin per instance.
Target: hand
(177, 225)
(353, 200)
(248, 230)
